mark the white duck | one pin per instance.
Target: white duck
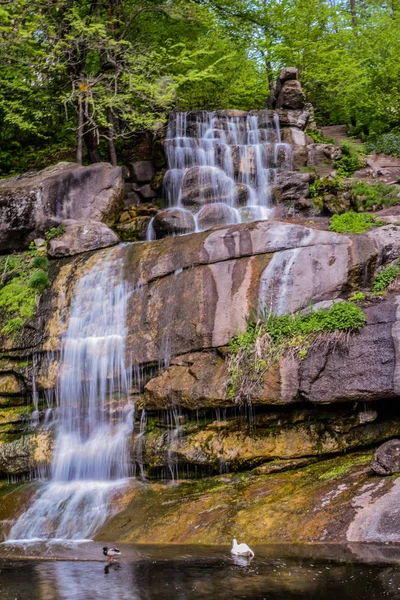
(241, 549)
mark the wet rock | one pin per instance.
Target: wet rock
(386, 460)
(293, 118)
(34, 202)
(242, 194)
(300, 158)
(80, 237)
(212, 215)
(146, 192)
(292, 185)
(173, 221)
(193, 381)
(134, 230)
(11, 385)
(142, 171)
(293, 136)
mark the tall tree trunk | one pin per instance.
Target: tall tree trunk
(111, 145)
(80, 133)
(92, 147)
(90, 137)
(353, 13)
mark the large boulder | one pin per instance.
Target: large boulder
(386, 460)
(291, 96)
(173, 221)
(81, 236)
(216, 214)
(32, 203)
(290, 186)
(142, 171)
(293, 118)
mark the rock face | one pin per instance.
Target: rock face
(190, 295)
(386, 459)
(34, 202)
(81, 237)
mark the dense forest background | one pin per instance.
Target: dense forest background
(83, 77)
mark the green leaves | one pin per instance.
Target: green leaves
(264, 342)
(352, 222)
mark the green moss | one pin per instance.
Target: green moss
(23, 279)
(54, 232)
(12, 326)
(40, 262)
(352, 222)
(385, 278)
(39, 281)
(345, 465)
(357, 297)
(266, 340)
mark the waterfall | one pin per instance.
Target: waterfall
(221, 168)
(94, 418)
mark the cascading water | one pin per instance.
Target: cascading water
(94, 417)
(221, 167)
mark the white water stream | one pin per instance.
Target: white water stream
(229, 162)
(90, 461)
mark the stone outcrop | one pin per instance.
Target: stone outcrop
(81, 237)
(173, 221)
(34, 202)
(386, 460)
(286, 92)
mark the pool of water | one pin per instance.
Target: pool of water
(80, 572)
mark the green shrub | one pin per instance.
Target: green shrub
(40, 262)
(23, 277)
(54, 232)
(318, 138)
(326, 185)
(365, 196)
(388, 143)
(265, 341)
(352, 222)
(349, 161)
(385, 278)
(357, 297)
(12, 326)
(39, 281)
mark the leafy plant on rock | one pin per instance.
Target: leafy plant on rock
(23, 278)
(386, 277)
(352, 222)
(365, 196)
(265, 341)
(350, 161)
(54, 232)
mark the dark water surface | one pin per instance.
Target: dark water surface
(186, 572)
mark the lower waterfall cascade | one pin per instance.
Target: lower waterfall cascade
(90, 460)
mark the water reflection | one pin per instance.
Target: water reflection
(191, 574)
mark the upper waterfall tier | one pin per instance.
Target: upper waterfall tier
(221, 168)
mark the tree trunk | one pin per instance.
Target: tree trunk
(353, 13)
(80, 133)
(92, 146)
(111, 145)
